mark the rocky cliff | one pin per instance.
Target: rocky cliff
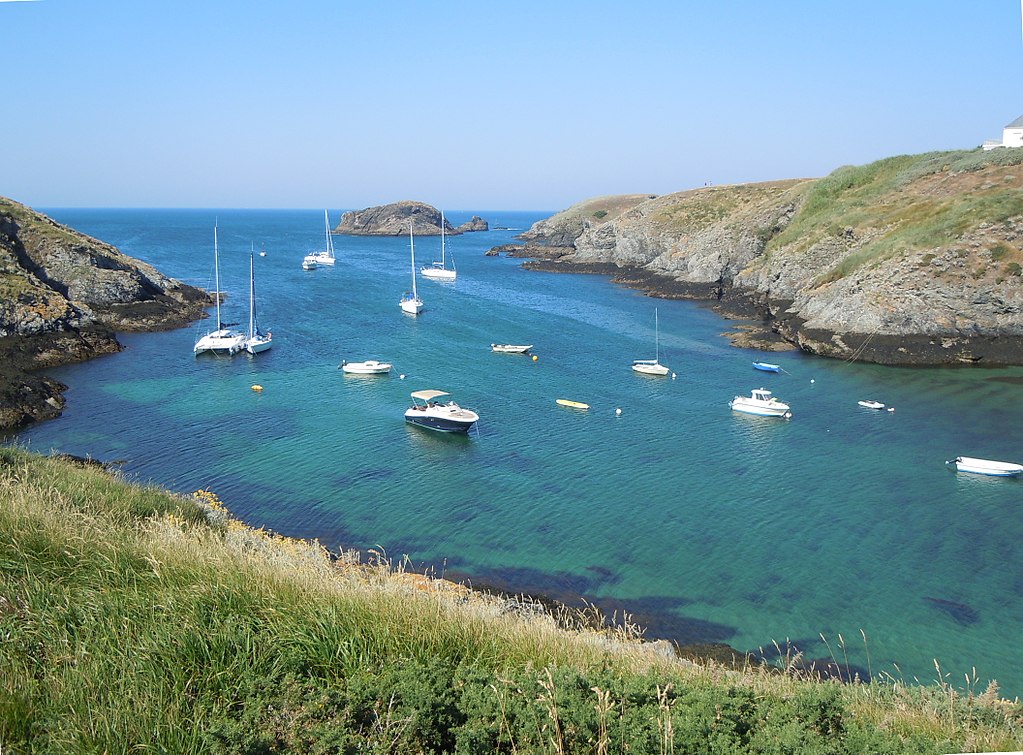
(910, 260)
(393, 220)
(62, 297)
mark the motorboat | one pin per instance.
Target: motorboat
(868, 404)
(257, 341)
(652, 366)
(766, 367)
(223, 340)
(447, 417)
(410, 302)
(986, 467)
(439, 270)
(309, 262)
(326, 257)
(510, 348)
(369, 367)
(762, 403)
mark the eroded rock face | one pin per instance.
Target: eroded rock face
(394, 219)
(62, 296)
(853, 291)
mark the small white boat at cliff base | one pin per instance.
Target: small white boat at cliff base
(986, 467)
(762, 403)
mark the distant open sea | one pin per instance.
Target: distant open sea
(704, 525)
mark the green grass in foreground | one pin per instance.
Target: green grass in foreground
(134, 619)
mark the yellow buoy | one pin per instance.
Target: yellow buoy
(535, 357)
(257, 387)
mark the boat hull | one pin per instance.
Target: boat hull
(368, 367)
(445, 421)
(508, 348)
(258, 345)
(987, 467)
(650, 369)
(411, 306)
(220, 342)
(438, 274)
(571, 404)
(765, 367)
(760, 409)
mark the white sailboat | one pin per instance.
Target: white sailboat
(652, 366)
(223, 339)
(439, 270)
(411, 303)
(257, 341)
(326, 257)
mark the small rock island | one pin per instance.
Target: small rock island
(393, 220)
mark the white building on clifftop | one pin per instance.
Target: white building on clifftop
(1012, 136)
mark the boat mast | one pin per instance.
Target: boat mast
(216, 273)
(412, 248)
(252, 299)
(657, 338)
(443, 266)
(326, 228)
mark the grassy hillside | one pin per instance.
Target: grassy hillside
(909, 204)
(131, 618)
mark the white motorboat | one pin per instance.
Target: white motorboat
(439, 270)
(447, 417)
(762, 403)
(326, 257)
(652, 366)
(257, 340)
(510, 348)
(309, 262)
(411, 303)
(986, 467)
(869, 404)
(223, 340)
(369, 367)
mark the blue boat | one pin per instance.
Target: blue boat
(766, 367)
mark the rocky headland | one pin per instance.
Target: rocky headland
(62, 297)
(912, 260)
(393, 220)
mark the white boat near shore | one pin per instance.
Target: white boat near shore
(986, 467)
(762, 403)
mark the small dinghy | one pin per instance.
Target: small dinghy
(986, 467)
(511, 348)
(765, 367)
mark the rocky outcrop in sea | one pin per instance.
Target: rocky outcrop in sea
(911, 260)
(394, 219)
(62, 297)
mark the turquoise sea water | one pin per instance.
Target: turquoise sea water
(703, 524)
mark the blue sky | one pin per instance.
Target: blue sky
(526, 105)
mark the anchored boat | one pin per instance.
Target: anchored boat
(446, 417)
(762, 403)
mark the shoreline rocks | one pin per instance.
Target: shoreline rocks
(62, 296)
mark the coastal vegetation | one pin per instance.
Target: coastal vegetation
(133, 618)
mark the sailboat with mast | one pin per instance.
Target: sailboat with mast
(223, 340)
(652, 366)
(439, 270)
(411, 303)
(257, 341)
(326, 257)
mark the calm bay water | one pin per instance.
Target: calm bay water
(705, 525)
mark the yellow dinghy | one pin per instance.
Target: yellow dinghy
(572, 404)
